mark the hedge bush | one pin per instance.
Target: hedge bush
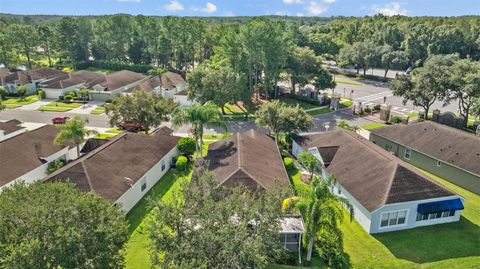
(284, 153)
(396, 119)
(54, 166)
(186, 145)
(288, 162)
(182, 163)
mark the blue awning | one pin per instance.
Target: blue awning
(440, 206)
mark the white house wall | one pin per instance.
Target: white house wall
(411, 218)
(131, 197)
(41, 171)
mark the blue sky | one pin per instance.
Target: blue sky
(244, 7)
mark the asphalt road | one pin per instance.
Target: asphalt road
(46, 117)
(371, 93)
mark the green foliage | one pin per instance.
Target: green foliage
(289, 163)
(113, 65)
(198, 116)
(3, 93)
(186, 145)
(147, 109)
(2, 106)
(182, 163)
(55, 225)
(308, 161)
(73, 130)
(54, 166)
(214, 240)
(22, 92)
(396, 119)
(41, 94)
(279, 117)
(344, 125)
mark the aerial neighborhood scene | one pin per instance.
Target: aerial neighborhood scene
(277, 134)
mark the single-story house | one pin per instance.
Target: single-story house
(386, 193)
(253, 159)
(123, 169)
(10, 128)
(102, 87)
(168, 84)
(26, 156)
(441, 150)
(12, 79)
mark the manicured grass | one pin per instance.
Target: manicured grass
(319, 111)
(294, 102)
(137, 252)
(239, 117)
(11, 106)
(412, 114)
(98, 110)
(344, 103)
(105, 136)
(62, 104)
(115, 131)
(354, 83)
(372, 126)
(216, 136)
(17, 101)
(55, 109)
(452, 245)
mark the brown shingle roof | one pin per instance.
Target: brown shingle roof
(250, 158)
(22, 153)
(121, 79)
(27, 76)
(148, 85)
(10, 126)
(104, 169)
(170, 80)
(448, 144)
(372, 175)
(76, 78)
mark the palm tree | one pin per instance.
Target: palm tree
(198, 116)
(74, 130)
(321, 208)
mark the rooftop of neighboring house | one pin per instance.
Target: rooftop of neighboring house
(119, 79)
(372, 175)
(24, 77)
(249, 158)
(85, 77)
(170, 80)
(441, 142)
(105, 169)
(148, 85)
(25, 152)
(10, 126)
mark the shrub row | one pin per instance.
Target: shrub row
(114, 65)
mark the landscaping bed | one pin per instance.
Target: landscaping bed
(372, 126)
(98, 110)
(293, 102)
(54, 109)
(59, 106)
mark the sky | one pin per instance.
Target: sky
(244, 7)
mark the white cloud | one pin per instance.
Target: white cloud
(300, 14)
(315, 8)
(229, 14)
(389, 9)
(209, 8)
(289, 2)
(174, 6)
(131, 1)
(329, 1)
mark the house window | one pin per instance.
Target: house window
(408, 153)
(435, 215)
(439, 163)
(144, 184)
(163, 164)
(393, 218)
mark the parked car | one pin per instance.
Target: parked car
(130, 127)
(60, 120)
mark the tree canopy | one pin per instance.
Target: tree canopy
(55, 225)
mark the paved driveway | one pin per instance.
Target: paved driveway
(36, 105)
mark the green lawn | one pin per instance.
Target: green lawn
(294, 102)
(354, 83)
(62, 104)
(319, 111)
(104, 136)
(453, 245)
(344, 103)
(17, 102)
(372, 126)
(54, 109)
(137, 252)
(98, 110)
(115, 131)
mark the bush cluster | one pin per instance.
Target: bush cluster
(289, 163)
(114, 65)
(182, 163)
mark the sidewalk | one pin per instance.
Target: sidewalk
(36, 105)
